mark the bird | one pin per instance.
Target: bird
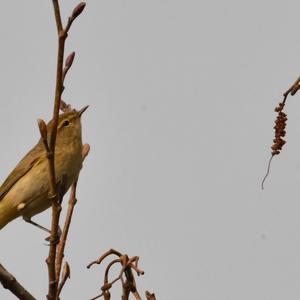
(24, 193)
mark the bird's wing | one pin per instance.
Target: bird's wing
(21, 169)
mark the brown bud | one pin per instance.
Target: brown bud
(43, 128)
(66, 271)
(78, 10)
(69, 60)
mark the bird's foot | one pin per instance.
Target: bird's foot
(56, 240)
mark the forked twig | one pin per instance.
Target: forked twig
(125, 276)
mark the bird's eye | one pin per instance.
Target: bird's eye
(66, 123)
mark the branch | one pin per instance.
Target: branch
(125, 276)
(71, 205)
(10, 282)
(66, 274)
(103, 256)
(56, 207)
(57, 15)
(53, 194)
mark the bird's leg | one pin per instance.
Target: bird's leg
(36, 224)
(28, 220)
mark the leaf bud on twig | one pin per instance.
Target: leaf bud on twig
(69, 60)
(43, 128)
(78, 10)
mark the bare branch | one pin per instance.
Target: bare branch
(66, 274)
(56, 203)
(103, 256)
(125, 275)
(71, 205)
(57, 15)
(10, 282)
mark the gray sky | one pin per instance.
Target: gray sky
(181, 97)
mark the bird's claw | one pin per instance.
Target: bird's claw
(56, 240)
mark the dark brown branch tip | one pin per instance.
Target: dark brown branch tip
(8, 281)
(78, 10)
(103, 256)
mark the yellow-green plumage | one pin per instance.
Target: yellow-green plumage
(25, 191)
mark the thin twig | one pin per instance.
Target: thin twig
(56, 203)
(63, 239)
(56, 206)
(125, 275)
(10, 282)
(65, 276)
(57, 15)
(103, 256)
(115, 261)
(71, 205)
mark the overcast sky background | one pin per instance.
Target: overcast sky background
(181, 97)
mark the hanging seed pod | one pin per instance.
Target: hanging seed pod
(278, 141)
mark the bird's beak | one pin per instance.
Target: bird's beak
(80, 112)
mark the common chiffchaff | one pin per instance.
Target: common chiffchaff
(25, 191)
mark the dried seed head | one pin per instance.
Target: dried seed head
(278, 141)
